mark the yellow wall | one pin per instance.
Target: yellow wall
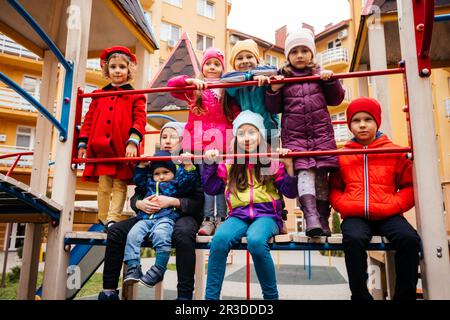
(189, 21)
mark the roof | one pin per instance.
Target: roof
(259, 41)
(113, 22)
(332, 29)
(135, 11)
(440, 47)
(181, 61)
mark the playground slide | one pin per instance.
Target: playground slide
(87, 259)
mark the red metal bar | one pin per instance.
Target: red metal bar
(152, 132)
(77, 123)
(10, 155)
(252, 155)
(428, 29)
(423, 28)
(356, 74)
(248, 274)
(14, 165)
(339, 122)
(406, 110)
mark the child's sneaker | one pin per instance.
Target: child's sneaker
(134, 273)
(207, 228)
(152, 277)
(110, 295)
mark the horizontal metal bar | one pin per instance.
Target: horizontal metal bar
(34, 102)
(239, 156)
(10, 155)
(442, 17)
(285, 246)
(356, 74)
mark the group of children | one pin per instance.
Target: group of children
(246, 195)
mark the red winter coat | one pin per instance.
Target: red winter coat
(107, 126)
(375, 186)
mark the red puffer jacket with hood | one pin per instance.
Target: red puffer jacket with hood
(375, 186)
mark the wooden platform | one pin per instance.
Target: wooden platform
(19, 203)
(292, 241)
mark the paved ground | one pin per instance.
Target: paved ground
(326, 282)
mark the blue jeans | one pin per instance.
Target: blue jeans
(220, 205)
(230, 232)
(159, 232)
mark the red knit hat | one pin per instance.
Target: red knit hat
(213, 53)
(364, 104)
(116, 49)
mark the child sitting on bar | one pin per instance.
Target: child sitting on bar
(371, 192)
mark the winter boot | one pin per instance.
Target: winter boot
(324, 209)
(309, 208)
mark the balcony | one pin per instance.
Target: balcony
(10, 99)
(333, 59)
(9, 46)
(24, 162)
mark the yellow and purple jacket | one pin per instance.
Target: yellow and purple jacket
(258, 200)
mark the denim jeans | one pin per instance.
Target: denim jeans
(230, 232)
(215, 202)
(159, 232)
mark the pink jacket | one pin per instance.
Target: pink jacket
(208, 130)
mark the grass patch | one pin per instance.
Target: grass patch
(92, 287)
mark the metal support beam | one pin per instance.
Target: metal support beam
(63, 190)
(435, 266)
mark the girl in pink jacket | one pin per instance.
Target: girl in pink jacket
(211, 114)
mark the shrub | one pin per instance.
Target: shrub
(14, 275)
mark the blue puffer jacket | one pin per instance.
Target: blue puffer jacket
(184, 181)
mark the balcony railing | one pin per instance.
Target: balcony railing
(25, 161)
(10, 99)
(334, 55)
(341, 133)
(7, 45)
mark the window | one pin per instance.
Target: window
(87, 101)
(17, 236)
(32, 86)
(341, 132)
(25, 137)
(148, 16)
(204, 42)
(170, 32)
(334, 44)
(272, 60)
(205, 8)
(174, 2)
(447, 108)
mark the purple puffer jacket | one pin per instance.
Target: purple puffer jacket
(306, 123)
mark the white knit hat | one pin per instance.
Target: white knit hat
(249, 117)
(302, 37)
(177, 126)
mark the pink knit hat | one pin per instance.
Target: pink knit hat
(213, 53)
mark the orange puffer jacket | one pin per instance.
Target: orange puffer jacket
(374, 186)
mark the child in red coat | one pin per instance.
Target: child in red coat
(371, 192)
(113, 127)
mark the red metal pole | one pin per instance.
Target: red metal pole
(356, 74)
(152, 132)
(252, 155)
(10, 155)
(14, 165)
(77, 125)
(248, 274)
